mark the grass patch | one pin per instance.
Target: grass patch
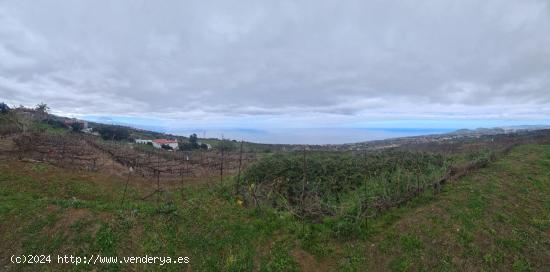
(492, 219)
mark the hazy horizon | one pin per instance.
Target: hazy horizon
(308, 135)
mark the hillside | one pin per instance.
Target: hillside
(496, 218)
(458, 136)
(275, 136)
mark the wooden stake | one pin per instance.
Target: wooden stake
(185, 163)
(126, 187)
(366, 191)
(304, 181)
(158, 179)
(240, 164)
(221, 163)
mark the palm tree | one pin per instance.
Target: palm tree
(42, 109)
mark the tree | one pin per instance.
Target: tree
(42, 107)
(4, 108)
(192, 144)
(77, 126)
(113, 133)
(194, 141)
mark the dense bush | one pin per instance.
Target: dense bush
(76, 127)
(338, 184)
(113, 132)
(192, 144)
(186, 146)
(10, 123)
(55, 123)
(227, 145)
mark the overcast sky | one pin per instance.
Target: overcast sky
(279, 64)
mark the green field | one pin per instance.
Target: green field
(493, 219)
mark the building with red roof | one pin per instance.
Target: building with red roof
(158, 143)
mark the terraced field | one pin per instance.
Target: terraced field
(494, 219)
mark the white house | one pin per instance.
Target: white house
(171, 143)
(141, 141)
(90, 131)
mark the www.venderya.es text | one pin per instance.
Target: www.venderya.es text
(97, 259)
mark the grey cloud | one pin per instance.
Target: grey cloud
(221, 58)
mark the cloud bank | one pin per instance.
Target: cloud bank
(279, 63)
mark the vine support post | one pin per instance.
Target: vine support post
(158, 179)
(126, 187)
(63, 152)
(239, 171)
(367, 174)
(184, 170)
(221, 161)
(417, 180)
(304, 180)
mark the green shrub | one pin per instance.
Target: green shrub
(338, 184)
